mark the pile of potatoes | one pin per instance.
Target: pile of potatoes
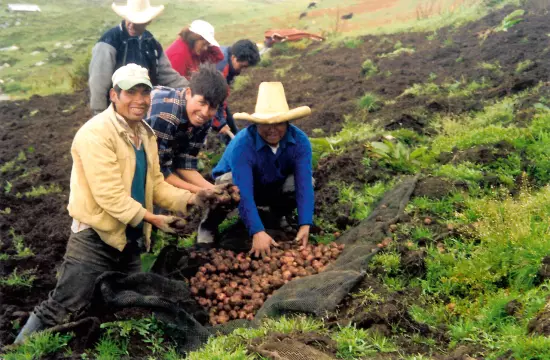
(234, 286)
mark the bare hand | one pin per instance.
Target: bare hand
(261, 244)
(303, 235)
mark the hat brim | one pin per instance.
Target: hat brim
(128, 84)
(141, 17)
(209, 39)
(290, 115)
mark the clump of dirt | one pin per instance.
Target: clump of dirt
(541, 323)
(433, 187)
(483, 154)
(287, 346)
(407, 121)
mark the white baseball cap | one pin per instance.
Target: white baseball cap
(131, 75)
(204, 29)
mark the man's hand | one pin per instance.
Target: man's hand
(162, 222)
(303, 235)
(261, 244)
(219, 195)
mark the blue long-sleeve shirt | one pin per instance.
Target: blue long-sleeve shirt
(256, 169)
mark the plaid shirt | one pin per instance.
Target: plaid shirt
(179, 142)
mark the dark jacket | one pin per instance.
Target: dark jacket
(117, 48)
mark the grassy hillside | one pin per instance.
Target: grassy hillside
(54, 45)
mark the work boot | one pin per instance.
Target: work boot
(32, 325)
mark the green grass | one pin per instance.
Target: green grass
(43, 190)
(370, 102)
(18, 242)
(388, 261)
(398, 52)
(240, 83)
(353, 343)
(38, 346)
(524, 66)
(362, 201)
(369, 68)
(25, 279)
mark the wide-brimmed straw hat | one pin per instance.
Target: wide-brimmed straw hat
(204, 29)
(271, 106)
(138, 11)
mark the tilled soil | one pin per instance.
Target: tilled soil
(329, 81)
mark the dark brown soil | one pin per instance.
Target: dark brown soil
(433, 187)
(337, 82)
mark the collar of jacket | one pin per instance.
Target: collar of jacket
(145, 36)
(120, 129)
(288, 138)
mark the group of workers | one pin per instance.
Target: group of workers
(152, 113)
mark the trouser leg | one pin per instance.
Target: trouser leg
(86, 258)
(212, 218)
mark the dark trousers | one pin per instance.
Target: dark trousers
(86, 258)
(273, 204)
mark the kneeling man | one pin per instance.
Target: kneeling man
(270, 163)
(115, 181)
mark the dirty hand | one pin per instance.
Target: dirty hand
(261, 244)
(164, 223)
(303, 235)
(207, 198)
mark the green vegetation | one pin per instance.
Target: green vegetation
(524, 66)
(369, 68)
(451, 88)
(352, 43)
(510, 20)
(14, 165)
(240, 83)
(19, 244)
(24, 279)
(354, 343)
(38, 346)
(43, 190)
(362, 201)
(370, 102)
(395, 155)
(398, 52)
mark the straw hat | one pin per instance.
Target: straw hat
(204, 29)
(138, 11)
(271, 106)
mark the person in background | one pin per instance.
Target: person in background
(115, 180)
(129, 42)
(271, 163)
(194, 46)
(241, 55)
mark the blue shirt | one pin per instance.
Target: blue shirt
(256, 169)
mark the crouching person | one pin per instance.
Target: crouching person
(270, 163)
(115, 181)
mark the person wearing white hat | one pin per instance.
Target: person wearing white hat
(129, 42)
(271, 163)
(115, 181)
(194, 46)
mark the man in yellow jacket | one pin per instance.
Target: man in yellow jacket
(115, 181)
